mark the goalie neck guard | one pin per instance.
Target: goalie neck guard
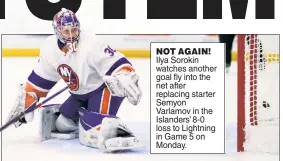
(66, 26)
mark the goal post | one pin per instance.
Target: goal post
(241, 100)
(258, 93)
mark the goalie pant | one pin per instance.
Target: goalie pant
(98, 101)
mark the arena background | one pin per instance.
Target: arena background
(134, 46)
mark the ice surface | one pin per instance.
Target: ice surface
(22, 143)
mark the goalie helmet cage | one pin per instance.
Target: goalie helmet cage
(258, 101)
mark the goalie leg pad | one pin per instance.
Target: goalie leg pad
(89, 127)
(64, 124)
(118, 144)
(116, 136)
(66, 129)
(48, 116)
(110, 135)
(108, 138)
(54, 125)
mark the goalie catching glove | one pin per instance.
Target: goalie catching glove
(25, 103)
(124, 83)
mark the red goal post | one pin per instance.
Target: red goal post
(258, 94)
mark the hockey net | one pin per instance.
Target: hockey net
(258, 93)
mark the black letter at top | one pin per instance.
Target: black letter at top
(172, 9)
(46, 10)
(114, 9)
(2, 9)
(264, 9)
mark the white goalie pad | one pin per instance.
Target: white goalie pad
(113, 136)
(119, 144)
(48, 117)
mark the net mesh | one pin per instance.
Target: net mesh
(261, 94)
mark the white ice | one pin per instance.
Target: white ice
(22, 143)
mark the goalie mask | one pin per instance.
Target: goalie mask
(67, 28)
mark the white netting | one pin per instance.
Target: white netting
(261, 93)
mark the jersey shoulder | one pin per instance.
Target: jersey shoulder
(50, 40)
(91, 41)
(89, 37)
(49, 45)
(49, 50)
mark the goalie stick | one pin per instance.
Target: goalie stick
(37, 106)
